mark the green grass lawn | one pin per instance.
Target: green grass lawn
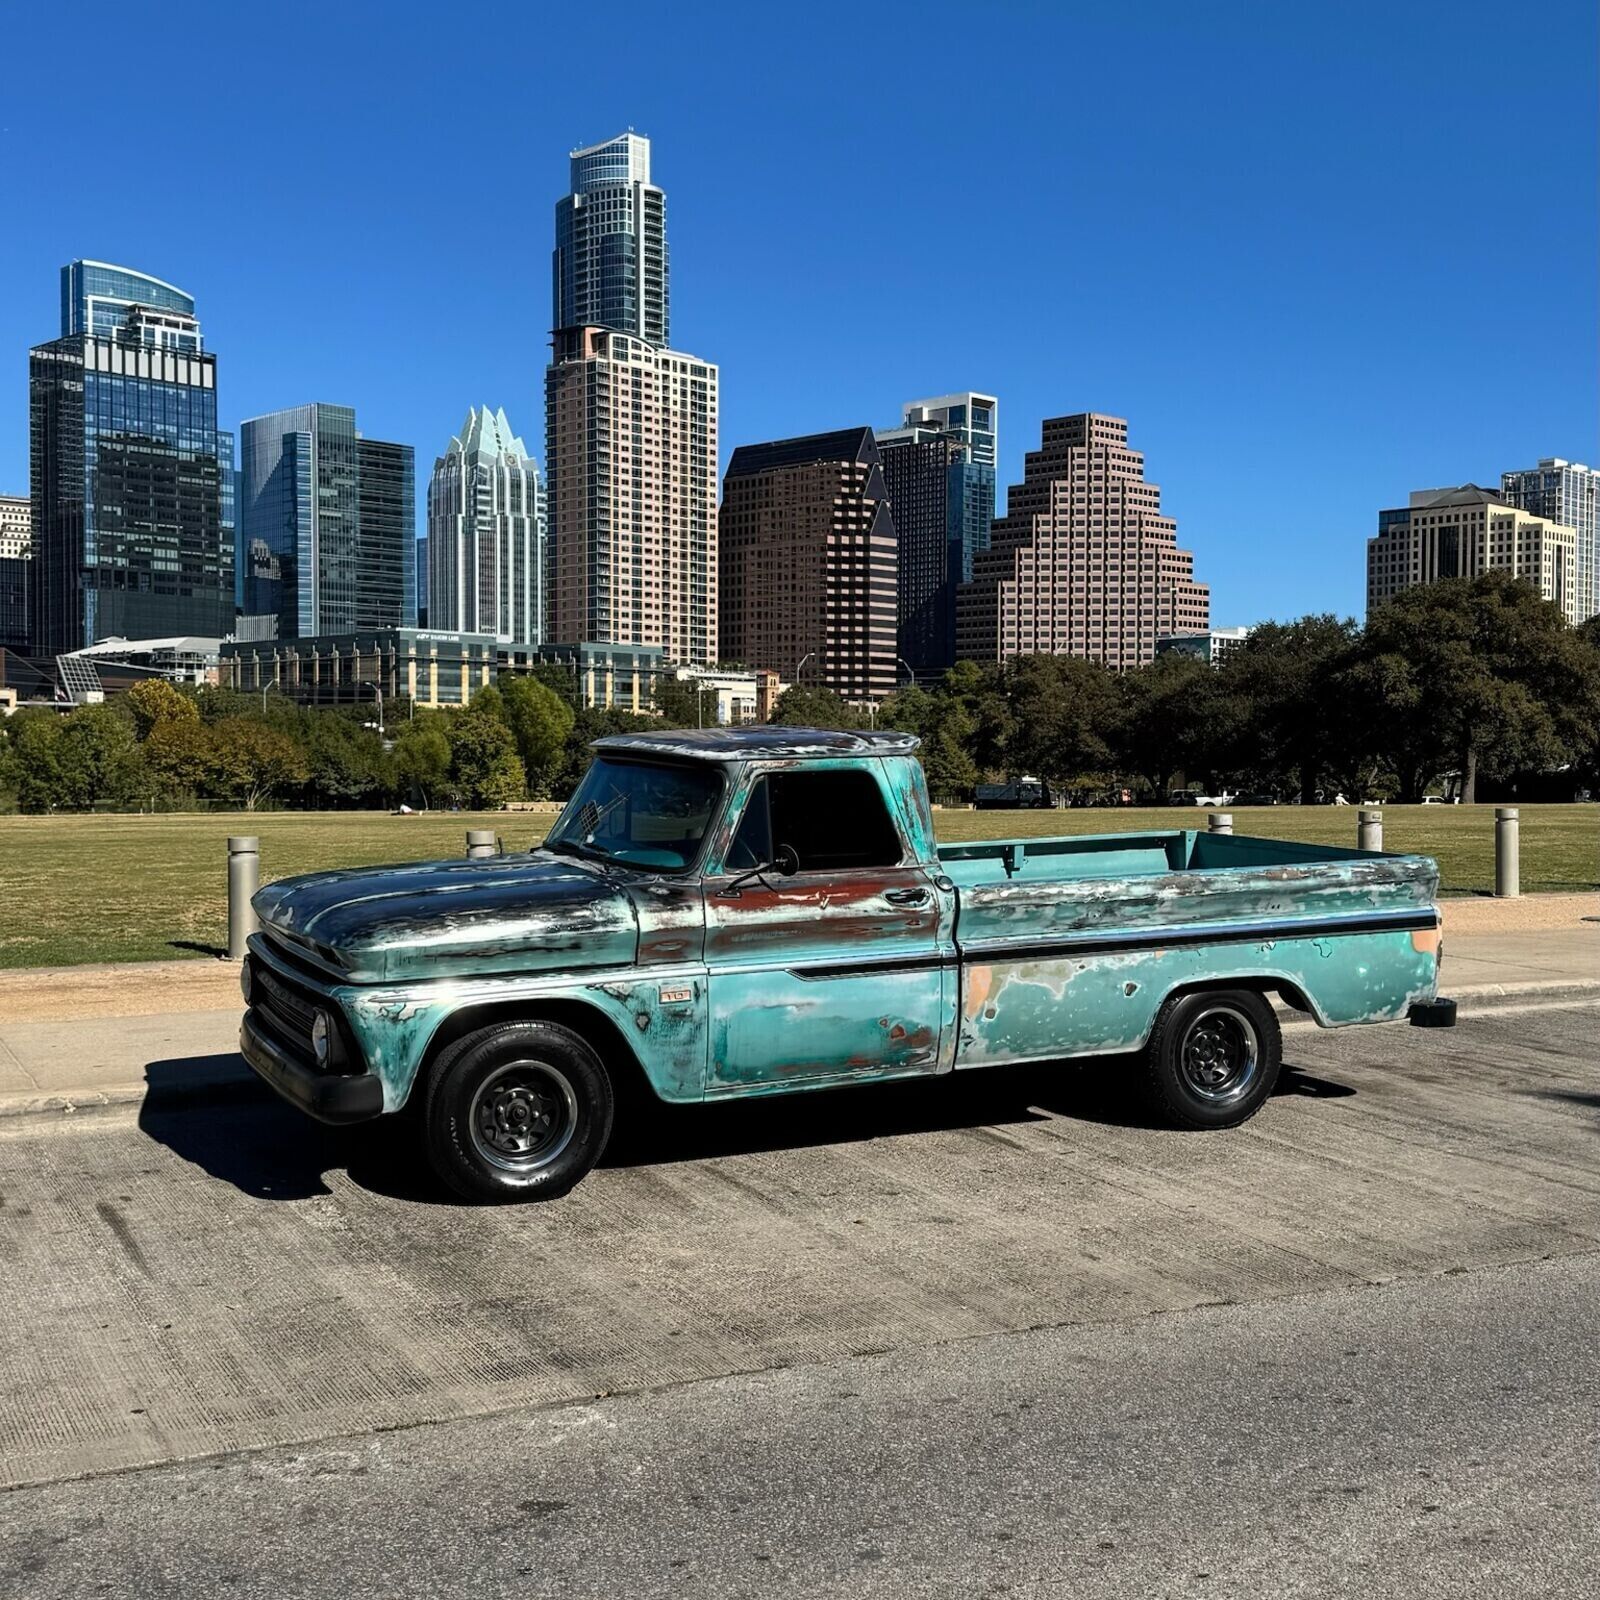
(138, 888)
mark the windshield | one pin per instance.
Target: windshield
(642, 814)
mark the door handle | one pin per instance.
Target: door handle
(906, 897)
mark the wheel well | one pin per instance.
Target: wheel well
(1291, 994)
(591, 1025)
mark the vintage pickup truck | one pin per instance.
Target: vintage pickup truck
(755, 911)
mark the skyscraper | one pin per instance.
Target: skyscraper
(127, 468)
(610, 264)
(486, 534)
(632, 458)
(96, 298)
(1565, 492)
(327, 523)
(1083, 563)
(1458, 533)
(806, 545)
(630, 426)
(16, 546)
(938, 468)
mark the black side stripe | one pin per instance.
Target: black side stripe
(1128, 943)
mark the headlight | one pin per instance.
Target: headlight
(321, 1037)
(246, 982)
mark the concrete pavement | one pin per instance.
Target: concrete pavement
(189, 1277)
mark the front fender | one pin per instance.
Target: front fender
(661, 1017)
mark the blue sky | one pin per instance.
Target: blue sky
(1319, 256)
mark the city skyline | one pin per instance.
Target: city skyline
(1234, 300)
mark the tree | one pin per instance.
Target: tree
(1482, 672)
(683, 702)
(253, 763)
(1174, 718)
(154, 700)
(346, 763)
(540, 722)
(1286, 674)
(802, 707)
(85, 757)
(485, 770)
(180, 756)
(422, 758)
(1063, 717)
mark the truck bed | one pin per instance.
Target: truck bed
(1058, 936)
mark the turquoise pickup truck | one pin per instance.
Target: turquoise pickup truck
(756, 911)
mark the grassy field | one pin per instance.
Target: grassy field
(132, 888)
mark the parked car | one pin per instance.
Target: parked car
(1023, 794)
(1257, 798)
(753, 911)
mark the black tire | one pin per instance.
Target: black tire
(517, 1111)
(1213, 1058)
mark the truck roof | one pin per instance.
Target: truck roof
(759, 742)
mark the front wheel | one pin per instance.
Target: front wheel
(1213, 1058)
(517, 1111)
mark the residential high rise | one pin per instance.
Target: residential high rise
(128, 471)
(326, 523)
(486, 534)
(1083, 563)
(610, 263)
(938, 467)
(1565, 492)
(1458, 533)
(16, 526)
(16, 544)
(632, 463)
(808, 563)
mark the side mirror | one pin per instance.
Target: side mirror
(787, 860)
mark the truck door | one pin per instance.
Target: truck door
(838, 970)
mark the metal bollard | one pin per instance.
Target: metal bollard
(1369, 831)
(1220, 822)
(480, 842)
(1507, 851)
(244, 878)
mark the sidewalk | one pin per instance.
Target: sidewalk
(79, 1038)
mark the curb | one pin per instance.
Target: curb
(233, 1086)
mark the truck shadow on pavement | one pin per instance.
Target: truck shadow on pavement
(212, 1112)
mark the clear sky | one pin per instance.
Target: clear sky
(1318, 255)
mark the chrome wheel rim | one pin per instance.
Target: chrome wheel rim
(523, 1115)
(1220, 1057)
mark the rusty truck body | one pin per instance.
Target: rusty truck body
(759, 911)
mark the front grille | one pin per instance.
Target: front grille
(285, 1010)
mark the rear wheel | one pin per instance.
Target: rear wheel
(1213, 1058)
(517, 1111)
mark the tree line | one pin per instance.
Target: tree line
(1478, 678)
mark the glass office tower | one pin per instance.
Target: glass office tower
(326, 523)
(1569, 493)
(939, 470)
(96, 298)
(610, 261)
(128, 469)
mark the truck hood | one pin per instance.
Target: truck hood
(521, 913)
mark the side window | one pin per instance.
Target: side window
(831, 820)
(752, 844)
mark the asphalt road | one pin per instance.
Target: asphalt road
(1002, 1338)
